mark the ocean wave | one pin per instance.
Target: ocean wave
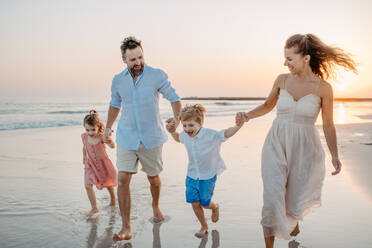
(69, 112)
(23, 125)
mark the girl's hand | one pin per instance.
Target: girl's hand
(337, 164)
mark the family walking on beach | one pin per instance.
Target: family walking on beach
(293, 163)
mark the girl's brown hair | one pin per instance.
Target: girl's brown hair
(323, 58)
(195, 112)
(93, 119)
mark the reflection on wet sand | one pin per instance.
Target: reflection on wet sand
(215, 240)
(104, 240)
(293, 244)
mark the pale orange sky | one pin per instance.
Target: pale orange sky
(70, 49)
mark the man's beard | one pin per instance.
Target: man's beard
(135, 72)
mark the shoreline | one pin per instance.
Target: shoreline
(337, 99)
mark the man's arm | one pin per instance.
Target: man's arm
(176, 107)
(111, 117)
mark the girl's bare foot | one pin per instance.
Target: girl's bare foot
(216, 213)
(124, 234)
(158, 215)
(92, 212)
(295, 231)
(202, 232)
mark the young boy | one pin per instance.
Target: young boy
(205, 162)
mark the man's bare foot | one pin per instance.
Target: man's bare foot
(295, 231)
(124, 234)
(92, 212)
(202, 232)
(158, 215)
(216, 213)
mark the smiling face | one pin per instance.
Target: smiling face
(191, 127)
(92, 131)
(134, 60)
(296, 62)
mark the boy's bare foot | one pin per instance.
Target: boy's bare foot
(158, 215)
(295, 231)
(202, 232)
(92, 212)
(216, 213)
(124, 234)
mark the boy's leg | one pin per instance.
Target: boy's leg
(92, 199)
(215, 211)
(112, 195)
(199, 212)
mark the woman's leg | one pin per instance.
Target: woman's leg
(269, 241)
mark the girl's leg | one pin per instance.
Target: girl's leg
(269, 242)
(215, 211)
(199, 212)
(92, 199)
(112, 195)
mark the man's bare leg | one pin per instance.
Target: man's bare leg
(112, 196)
(155, 186)
(92, 199)
(124, 206)
(199, 212)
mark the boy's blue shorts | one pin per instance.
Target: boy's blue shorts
(200, 190)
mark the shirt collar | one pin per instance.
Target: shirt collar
(200, 133)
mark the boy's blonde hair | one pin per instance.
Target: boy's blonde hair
(194, 112)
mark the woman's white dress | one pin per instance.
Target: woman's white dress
(292, 165)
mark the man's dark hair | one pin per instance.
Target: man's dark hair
(129, 43)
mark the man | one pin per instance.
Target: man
(140, 133)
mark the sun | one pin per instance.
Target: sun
(345, 80)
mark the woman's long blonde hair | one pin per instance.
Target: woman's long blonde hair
(323, 57)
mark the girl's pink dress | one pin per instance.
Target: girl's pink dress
(98, 167)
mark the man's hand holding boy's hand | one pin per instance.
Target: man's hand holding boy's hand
(171, 125)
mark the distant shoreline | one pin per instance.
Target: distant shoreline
(338, 99)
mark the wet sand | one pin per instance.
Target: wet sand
(44, 202)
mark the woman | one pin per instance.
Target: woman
(292, 155)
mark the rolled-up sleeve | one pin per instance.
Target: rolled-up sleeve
(220, 135)
(115, 96)
(166, 89)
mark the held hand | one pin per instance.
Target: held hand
(337, 164)
(107, 135)
(171, 127)
(239, 119)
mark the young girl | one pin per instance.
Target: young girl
(205, 162)
(98, 167)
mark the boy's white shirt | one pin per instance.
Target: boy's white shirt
(203, 152)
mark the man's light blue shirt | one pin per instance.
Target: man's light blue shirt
(139, 103)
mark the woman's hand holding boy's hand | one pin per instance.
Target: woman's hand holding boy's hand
(240, 119)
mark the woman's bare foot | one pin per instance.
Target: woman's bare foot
(295, 231)
(216, 213)
(92, 212)
(124, 234)
(202, 232)
(158, 215)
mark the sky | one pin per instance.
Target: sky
(71, 49)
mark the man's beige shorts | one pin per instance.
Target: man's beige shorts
(151, 160)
